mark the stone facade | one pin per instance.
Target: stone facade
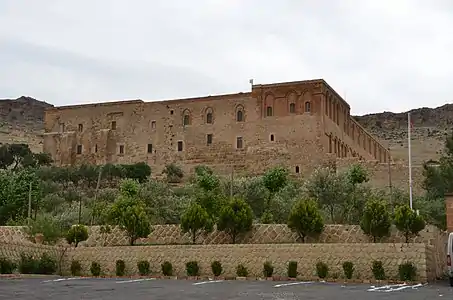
(297, 124)
(250, 255)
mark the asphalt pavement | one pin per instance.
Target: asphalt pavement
(156, 289)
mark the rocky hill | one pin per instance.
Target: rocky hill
(21, 121)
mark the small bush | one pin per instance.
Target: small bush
(192, 269)
(378, 270)
(76, 268)
(292, 269)
(167, 268)
(268, 269)
(7, 266)
(348, 269)
(46, 265)
(95, 269)
(216, 268)
(143, 268)
(241, 271)
(407, 271)
(27, 264)
(77, 234)
(120, 267)
(322, 270)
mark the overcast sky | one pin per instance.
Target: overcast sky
(381, 55)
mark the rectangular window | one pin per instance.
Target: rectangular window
(113, 125)
(96, 148)
(121, 149)
(150, 148)
(79, 149)
(209, 139)
(153, 124)
(80, 127)
(239, 142)
(180, 146)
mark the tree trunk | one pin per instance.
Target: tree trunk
(406, 234)
(374, 239)
(131, 241)
(194, 237)
(331, 215)
(233, 236)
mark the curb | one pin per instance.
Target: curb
(229, 278)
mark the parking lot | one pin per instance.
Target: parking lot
(119, 289)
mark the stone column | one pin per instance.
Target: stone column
(449, 211)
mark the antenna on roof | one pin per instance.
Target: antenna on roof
(251, 82)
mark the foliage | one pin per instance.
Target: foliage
(348, 269)
(235, 218)
(306, 219)
(196, 220)
(292, 269)
(173, 173)
(322, 270)
(129, 213)
(27, 264)
(376, 220)
(192, 268)
(268, 269)
(143, 268)
(274, 180)
(95, 269)
(46, 265)
(76, 268)
(357, 174)
(407, 271)
(51, 229)
(77, 234)
(167, 268)
(216, 268)
(408, 222)
(120, 268)
(241, 271)
(7, 266)
(378, 270)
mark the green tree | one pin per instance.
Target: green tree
(357, 174)
(76, 234)
(408, 222)
(196, 220)
(274, 180)
(376, 220)
(235, 218)
(305, 219)
(173, 173)
(140, 171)
(51, 229)
(129, 212)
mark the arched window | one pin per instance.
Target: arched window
(269, 111)
(239, 116)
(209, 118)
(186, 118)
(307, 106)
(292, 108)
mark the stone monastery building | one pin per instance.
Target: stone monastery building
(297, 124)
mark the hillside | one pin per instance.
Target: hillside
(21, 121)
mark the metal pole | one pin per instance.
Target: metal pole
(410, 156)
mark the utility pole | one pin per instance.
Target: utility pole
(390, 179)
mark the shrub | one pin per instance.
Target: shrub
(376, 220)
(120, 267)
(46, 265)
(292, 269)
(95, 269)
(27, 264)
(306, 219)
(348, 269)
(235, 218)
(77, 234)
(378, 270)
(241, 271)
(268, 269)
(143, 268)
(7, 266)
(407, 271)
(167, 268)
(192, 268)
(408, 222)
(76, 268)
(216, 268)
(322, 270)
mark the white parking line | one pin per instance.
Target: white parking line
(394, 287)
(136, 280)
(209, 281)
(292, 283)
(61, 279)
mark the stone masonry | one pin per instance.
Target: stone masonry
(300, 125)
(250, 255)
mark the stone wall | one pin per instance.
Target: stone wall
(251, 256)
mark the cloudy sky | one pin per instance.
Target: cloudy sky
(381, 55)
